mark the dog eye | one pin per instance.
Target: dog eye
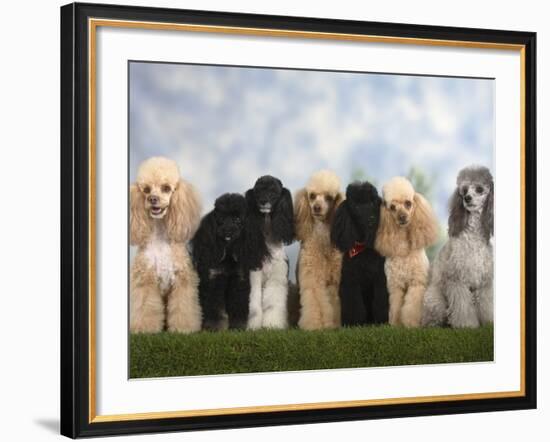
(166, 188)
(329, 198)
(479, 189)
(392, 207)
(312, 196)
(408, 204)
(146, 189)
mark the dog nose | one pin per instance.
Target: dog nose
(402, 218)
(316, 208)
(153, 199)
(468, 198)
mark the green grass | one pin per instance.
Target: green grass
(168, 354)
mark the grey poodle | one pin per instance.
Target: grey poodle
(460, 292)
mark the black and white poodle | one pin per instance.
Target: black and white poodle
(270, 210)
(363, 292)
(226, 248)
(460, 292)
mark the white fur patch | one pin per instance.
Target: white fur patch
(269, 291)
(159, 256)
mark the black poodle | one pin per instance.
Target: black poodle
(270, 210)
(363, 291)
(226, 248)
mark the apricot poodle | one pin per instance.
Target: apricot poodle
(319, 261)
(407, 226)
(164, 214)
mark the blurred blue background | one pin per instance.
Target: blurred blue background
(226, 126)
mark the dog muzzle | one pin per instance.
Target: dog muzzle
(265, 208)
(157, 212)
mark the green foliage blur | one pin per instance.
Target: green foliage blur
(358, 174)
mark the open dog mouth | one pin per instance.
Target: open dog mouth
(157, 212)
(265, 208)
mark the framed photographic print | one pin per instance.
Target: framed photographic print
(273, 220)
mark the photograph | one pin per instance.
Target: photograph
(276, 220)
(292, 219)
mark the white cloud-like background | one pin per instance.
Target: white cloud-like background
(227, 126)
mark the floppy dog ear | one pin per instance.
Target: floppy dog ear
(387, 236)
(140, 224)
(369, 236)
(339, 199)
(250, 200)
(251, 248)
(457, 214)
(302, 216)
(343, 233)
(282, 221)
(487, 221)
(205, 249)
(184, 212)
(253, 218)
(423, 229)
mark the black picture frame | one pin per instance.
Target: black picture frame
(75, 220)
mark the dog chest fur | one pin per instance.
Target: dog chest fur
(408, 270)
(159, 257)
(321, 236)
(468, 257)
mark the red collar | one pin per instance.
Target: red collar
(356, 249)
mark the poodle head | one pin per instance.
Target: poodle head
(399, 200)
(227, 231)
(364, 203)
(358, 217)
(473, 194)
(268, 198)
(157, 179)
(266, 192)
(407, 221)
(323, 193)
(474, 185)
(317, 201)
(160, 196)
(229, 216)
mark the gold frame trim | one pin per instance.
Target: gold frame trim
(93, 24)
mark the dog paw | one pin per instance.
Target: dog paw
(464, 322)
(274, 322)
(212, 325)
(254, 322)
(146, 327)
